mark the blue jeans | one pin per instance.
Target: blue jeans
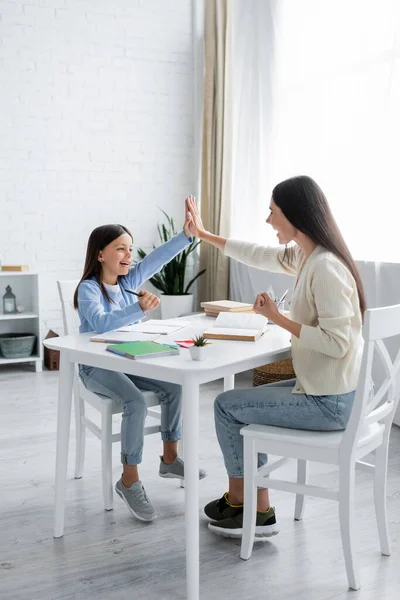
(127, 391)
(273, 404)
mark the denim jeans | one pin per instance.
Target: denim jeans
(273, 404)
(127, 391)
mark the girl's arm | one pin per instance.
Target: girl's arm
(153, 262)
(92, 309)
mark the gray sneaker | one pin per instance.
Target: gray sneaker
(136, 499)
(176, 469)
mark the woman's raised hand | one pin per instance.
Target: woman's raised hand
(193, 219)
(148, 301)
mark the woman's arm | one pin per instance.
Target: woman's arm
(271, 259)
(333, 289)
(264, 305)
(196, 227)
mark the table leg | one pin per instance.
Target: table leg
(63, 427)
(190, 401)
(229, 383)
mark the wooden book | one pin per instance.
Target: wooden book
(237, 326)
(226, 306)
(19, 268)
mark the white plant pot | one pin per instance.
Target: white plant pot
(176, 306)
(198, 352)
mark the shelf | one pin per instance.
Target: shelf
(10, 361)
(24, 315)
(13, 273)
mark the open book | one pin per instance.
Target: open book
(139, 332)
(157, 326)
(237, 326)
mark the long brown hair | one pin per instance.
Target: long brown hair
(305, 206)
(98, 240)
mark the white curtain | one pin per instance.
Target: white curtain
(318, 93)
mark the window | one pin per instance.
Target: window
(327, 105)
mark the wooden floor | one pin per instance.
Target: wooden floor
(110, 556)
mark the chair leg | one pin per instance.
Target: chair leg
(80, 432)
(250, 498)
(181, 481)
(106, 456)
(346, 519)
(380, 477)
(301, 478)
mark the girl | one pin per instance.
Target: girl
(326, 318)
(104, 304)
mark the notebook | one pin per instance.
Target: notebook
(237, 326)
(137, 350)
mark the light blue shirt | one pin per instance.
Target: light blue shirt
(97, 314)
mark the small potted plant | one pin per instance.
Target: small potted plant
(197, 351)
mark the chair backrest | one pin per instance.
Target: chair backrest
(379, 407)
(66, 290)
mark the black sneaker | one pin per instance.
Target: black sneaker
(229, 521)
(221, 509)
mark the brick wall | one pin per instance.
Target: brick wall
(96, 126)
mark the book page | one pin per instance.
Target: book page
(117, 337)
(239, 321)
(160, 326)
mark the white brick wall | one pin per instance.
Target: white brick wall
(96, 126)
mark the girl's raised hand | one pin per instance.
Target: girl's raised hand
(195, 223)
(148, 301)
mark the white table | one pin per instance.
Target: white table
(225, 358)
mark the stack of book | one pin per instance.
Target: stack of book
(212, 309)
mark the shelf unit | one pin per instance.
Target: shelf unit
(25, 286)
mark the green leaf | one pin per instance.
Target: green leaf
(193, 280)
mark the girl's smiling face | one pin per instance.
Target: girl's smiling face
(116, 258)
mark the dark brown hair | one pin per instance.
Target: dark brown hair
(305, 206)
(98, 240)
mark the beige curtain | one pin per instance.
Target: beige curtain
(216, 170)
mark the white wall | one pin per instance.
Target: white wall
(96, 126)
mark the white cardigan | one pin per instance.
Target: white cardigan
(327, 356)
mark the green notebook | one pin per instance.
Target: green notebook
(135, 350)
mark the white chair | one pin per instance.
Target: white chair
(106, 406)
(368, 430)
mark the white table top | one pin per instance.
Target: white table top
(221, 354)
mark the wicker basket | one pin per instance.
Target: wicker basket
(17, 345)
(276, 371)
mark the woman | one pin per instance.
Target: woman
(325, 322)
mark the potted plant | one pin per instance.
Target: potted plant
(197, 351)
(176, 299)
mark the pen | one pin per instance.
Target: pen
(282, 300)
(134, 293)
